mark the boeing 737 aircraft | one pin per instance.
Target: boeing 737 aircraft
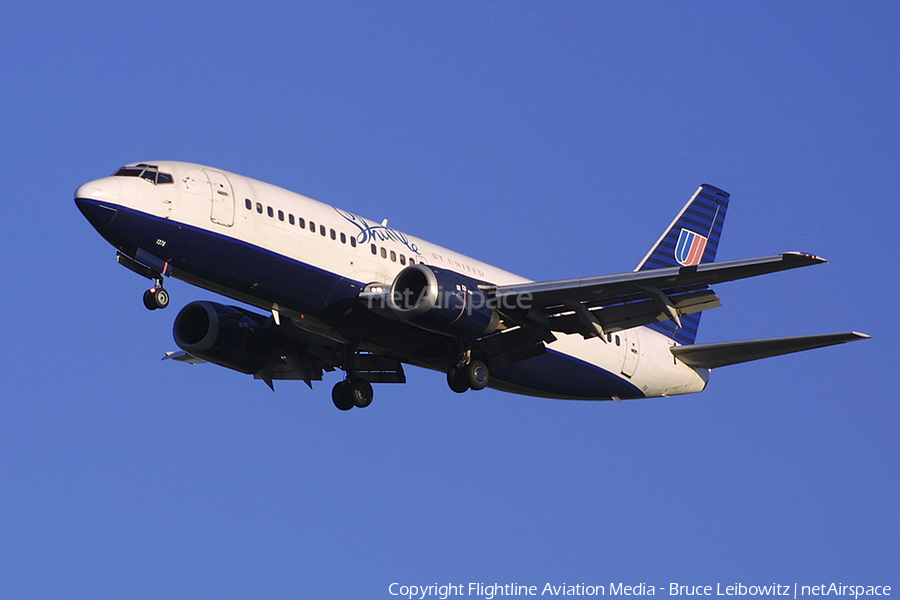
(339, 291)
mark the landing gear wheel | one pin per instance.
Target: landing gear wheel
(476, 375)
(349, 393)
(149, 302)
(361, 392)
(340, 395)
(156, 297)
(457, 380)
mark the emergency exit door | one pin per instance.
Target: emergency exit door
(631, 346)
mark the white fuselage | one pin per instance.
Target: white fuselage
(349, 247)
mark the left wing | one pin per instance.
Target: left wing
(595, 306)
(273, 348)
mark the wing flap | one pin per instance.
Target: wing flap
(182, 356)
(711, 356)
(378, 369)
(632, 312)
(515, 345)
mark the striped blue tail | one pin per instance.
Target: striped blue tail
(691, 239)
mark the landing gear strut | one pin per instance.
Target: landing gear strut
(156, 297)
(352, 392)
(471, 375)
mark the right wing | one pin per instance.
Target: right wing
(595, 306)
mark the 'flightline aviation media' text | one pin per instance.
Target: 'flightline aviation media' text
(490, 591)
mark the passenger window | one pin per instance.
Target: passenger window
(259, 208)
(393, 256)
(290, 218)
(248, 204)
(353, 241)
(618, 341)
(302, 222)
(322, 230)
(374, 249)
(281, 215)
(269, 211)
(312, 226)
(402, 259)
(343, 238)
(383, 253)
(333, 235)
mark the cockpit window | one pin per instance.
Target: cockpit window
(149, 172)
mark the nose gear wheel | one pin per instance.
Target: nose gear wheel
(156, 297)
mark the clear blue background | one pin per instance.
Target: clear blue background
(552, 139)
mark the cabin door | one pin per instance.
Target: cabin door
(222, 198)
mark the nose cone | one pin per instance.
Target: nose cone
(97, 201)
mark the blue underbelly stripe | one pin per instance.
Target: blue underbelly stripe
(560, 375)
(254, 271)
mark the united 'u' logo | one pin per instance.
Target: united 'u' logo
(690, 247)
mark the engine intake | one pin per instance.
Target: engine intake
(224, 335)
(443, 301)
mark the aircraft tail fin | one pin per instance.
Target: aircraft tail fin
(692, 238)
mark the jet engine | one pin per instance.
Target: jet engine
(443, 301)
(224, 335)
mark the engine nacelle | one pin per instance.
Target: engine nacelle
(442, 301)
(224, 335)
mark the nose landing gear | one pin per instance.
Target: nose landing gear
(156, 297)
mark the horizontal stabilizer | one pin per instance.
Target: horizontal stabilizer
(711, 356)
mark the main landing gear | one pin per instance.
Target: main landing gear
(470, 375)
(352, 392)
(156, 297)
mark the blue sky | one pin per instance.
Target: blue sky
(552, 139)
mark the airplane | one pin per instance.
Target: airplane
(341, 292)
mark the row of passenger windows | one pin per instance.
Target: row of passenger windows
(394, 256)
(343, 237)
(301, 222)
